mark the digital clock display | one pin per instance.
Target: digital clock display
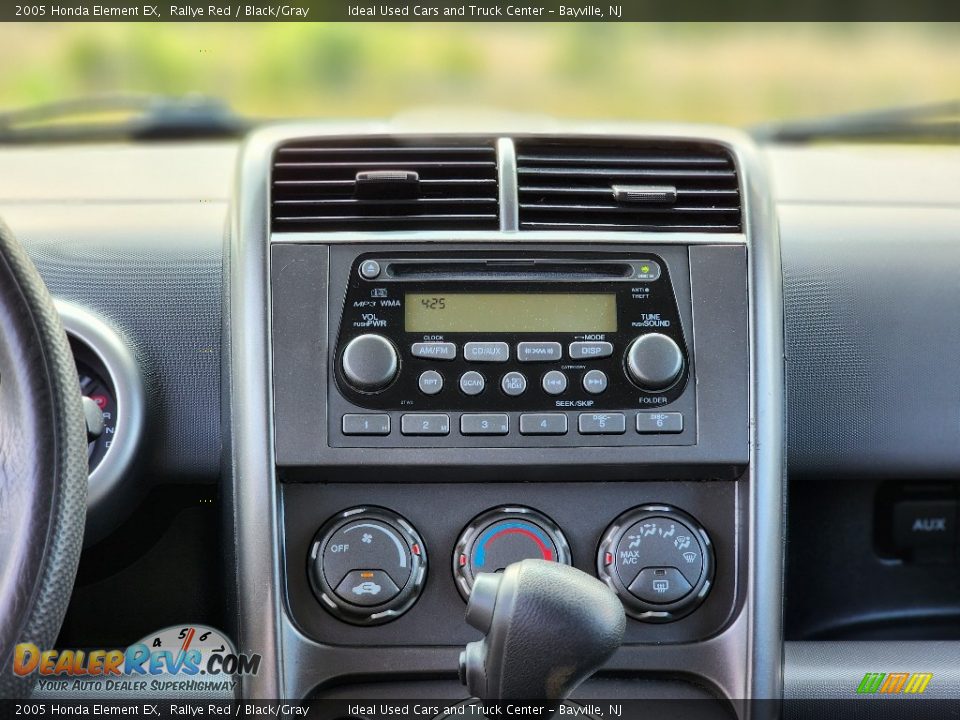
(510, 312)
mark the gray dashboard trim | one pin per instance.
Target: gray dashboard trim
(833, 670)
(264, 626)
(105, 495)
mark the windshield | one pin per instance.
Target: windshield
(737, 74)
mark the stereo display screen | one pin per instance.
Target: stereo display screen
(510, 312)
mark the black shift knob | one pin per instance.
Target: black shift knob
(548, 627)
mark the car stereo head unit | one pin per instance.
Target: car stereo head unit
(492, 344)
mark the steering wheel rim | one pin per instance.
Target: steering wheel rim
(43, 464)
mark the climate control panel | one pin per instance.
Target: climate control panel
(367, 565)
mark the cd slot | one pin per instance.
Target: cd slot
(505, 269)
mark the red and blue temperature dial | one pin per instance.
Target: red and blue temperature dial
(502, 536)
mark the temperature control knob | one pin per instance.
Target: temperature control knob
(369, 362)
(659, 560)
(367, 565)
(654, 361)
(503, 536)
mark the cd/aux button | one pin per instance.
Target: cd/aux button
(486, 352)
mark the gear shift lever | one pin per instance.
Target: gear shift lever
(548, 627)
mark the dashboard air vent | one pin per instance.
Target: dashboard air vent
(660, 187)
(384, 184)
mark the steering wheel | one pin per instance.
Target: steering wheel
(43, 464)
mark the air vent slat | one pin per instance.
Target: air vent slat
(596, 160)
(668, 186)
(631, 210)
(384, 184)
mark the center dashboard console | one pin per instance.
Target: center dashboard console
(411, 408)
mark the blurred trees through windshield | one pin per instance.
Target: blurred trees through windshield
(727, 73)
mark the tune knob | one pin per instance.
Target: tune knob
(369, 362)
(654, 361)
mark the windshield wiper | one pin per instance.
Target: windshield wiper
(935, 123)
(142, 118)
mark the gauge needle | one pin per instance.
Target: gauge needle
(94, 417)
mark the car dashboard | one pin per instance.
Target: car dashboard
(361, 364)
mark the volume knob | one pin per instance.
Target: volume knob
(369, 362)
(654, 361)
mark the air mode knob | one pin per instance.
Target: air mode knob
(654, 361)
(369, 362)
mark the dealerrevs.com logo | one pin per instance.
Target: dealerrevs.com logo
(898, 683)
(186, 658)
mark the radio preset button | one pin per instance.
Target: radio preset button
(430, 382)
(514, 383)
(425, 424)
(595, 382)
(590, 350)
(554, 382)
(539, 351)
(659, 422)
(486, 352)
(543, 424)
(484, 424)
(434, 350)
(602, 423)
(472, 383)
(365, 424)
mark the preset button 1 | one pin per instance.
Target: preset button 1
(366, 424)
